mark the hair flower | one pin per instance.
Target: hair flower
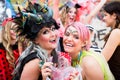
(6, 20)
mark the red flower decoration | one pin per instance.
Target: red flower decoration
(6, 20)
(66, 55)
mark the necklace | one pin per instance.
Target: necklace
(77, 60)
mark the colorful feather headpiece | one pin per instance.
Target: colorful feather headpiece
(70, 4)
(33, 18)
(35, 11)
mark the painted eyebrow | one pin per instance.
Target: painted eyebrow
(70, 31)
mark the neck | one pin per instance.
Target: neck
(114, 25)
(75, 56)
(49, 52)
(13, 42)
(65, 25)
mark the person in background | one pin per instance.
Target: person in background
(9, 9)
(4, 13)
(89, 10)
(111, 50)
(76, 41)
(67, 15)
(8, 49)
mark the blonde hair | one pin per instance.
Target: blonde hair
(6, 40)
(63, 15)
(65, 10)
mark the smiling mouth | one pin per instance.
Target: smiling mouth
(69, 45)
(71, 19)
(52, 41)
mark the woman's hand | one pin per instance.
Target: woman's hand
(74, 76)
(46, 70)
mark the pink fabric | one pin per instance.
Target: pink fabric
(64, 69)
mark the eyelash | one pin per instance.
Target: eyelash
(67, 34)
(53, 29)
(47, 31)
(74, 36)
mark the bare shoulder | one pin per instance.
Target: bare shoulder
(30, 68)
(115, 32)
(115, 35)
(33, 63)
(89, 62)
(92, 69)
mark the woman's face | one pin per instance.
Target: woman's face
(47, 38)
(13, 33)
(71, 15)
(110, 20)
(71, 41)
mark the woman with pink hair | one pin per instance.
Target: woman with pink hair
(76, 41)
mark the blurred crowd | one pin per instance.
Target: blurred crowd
(59, 40)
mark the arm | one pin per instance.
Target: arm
(31, 70)
(91, 69)
(20, 47)
(112, 43)
(94, 12)
(55, 9)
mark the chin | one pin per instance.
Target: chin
(108, 25)
(53, 47)
(13, 43)
(67, 50)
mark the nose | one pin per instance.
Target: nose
(104, 19)
(53, 33)
(73, 14)
(69, 38)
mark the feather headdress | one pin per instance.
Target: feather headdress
(33, 18)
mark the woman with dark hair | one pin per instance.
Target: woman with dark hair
(39, 61)
(111, 50)
(41, 30)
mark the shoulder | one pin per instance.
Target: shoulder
(30, 57)
(115, 31)
(32, 63)
(92, 68)
(89, 61)
(114, 36)
(32, 66)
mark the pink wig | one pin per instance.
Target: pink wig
(84, 33)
